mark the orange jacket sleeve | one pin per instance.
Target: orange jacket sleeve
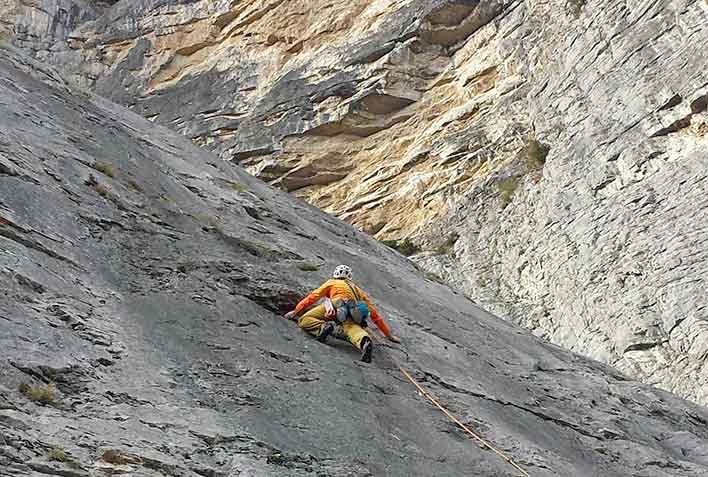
(312, 298)
(376, 318)
(380, 323)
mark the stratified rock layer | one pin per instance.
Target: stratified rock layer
(604, 254)
(145, 278)
(432, 120)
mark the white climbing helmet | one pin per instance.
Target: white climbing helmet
(343, 272)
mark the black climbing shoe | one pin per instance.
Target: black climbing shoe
(366, 348)
(325, 331)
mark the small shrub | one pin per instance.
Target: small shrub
(405, 246)
(49, 373)
(91, 181)
(105, 168)
(209, 221)
(107, 194)
(38, 393)
(102, 190)
(277, 459)
(57, 454)
(134, 186)
(115, 457)
(258, 249)
(576, 6)
(536, 153)
(447, 246)
(237, 186)
(507, 187)
(308, 267)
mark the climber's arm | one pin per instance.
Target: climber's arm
(375, 316)
(312, 298)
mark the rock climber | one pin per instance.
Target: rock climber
(350, 307)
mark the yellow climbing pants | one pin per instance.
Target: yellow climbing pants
(314, 319)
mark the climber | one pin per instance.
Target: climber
(351, 307)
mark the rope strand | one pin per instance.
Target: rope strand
(451, 416)
(459, 423)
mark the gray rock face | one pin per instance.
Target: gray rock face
(409, 118)
(40, 25)
(604, 254)
(145, 278)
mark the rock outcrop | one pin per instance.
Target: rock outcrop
(44, 25)
(145, 278)
(601, 252)
(558, 146)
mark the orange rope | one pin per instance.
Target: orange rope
(459, 423)
(452, 417)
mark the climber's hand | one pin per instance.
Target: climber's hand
(291, 315)
(394, 339)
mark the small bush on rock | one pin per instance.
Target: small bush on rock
(507, 187)
(308, 267)
(434, 277)
(115, 457)
(405, 246)
(102, 190)
(57, 454)
(536, 153)
(210, 221)
(447, 246)
(237, 186)
(38, 393)
(105, 168)
(134, 186)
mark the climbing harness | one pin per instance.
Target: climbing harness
(452, 417)
(356, 310)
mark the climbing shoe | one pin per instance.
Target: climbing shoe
(366, 348)
(325, 331)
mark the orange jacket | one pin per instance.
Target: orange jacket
(336, 289)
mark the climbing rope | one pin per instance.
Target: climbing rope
(459, 423)
(452, 417)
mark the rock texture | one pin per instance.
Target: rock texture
(145, 278)
(40, 26)
(603, 254)
(432, 120)
(311, 95)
